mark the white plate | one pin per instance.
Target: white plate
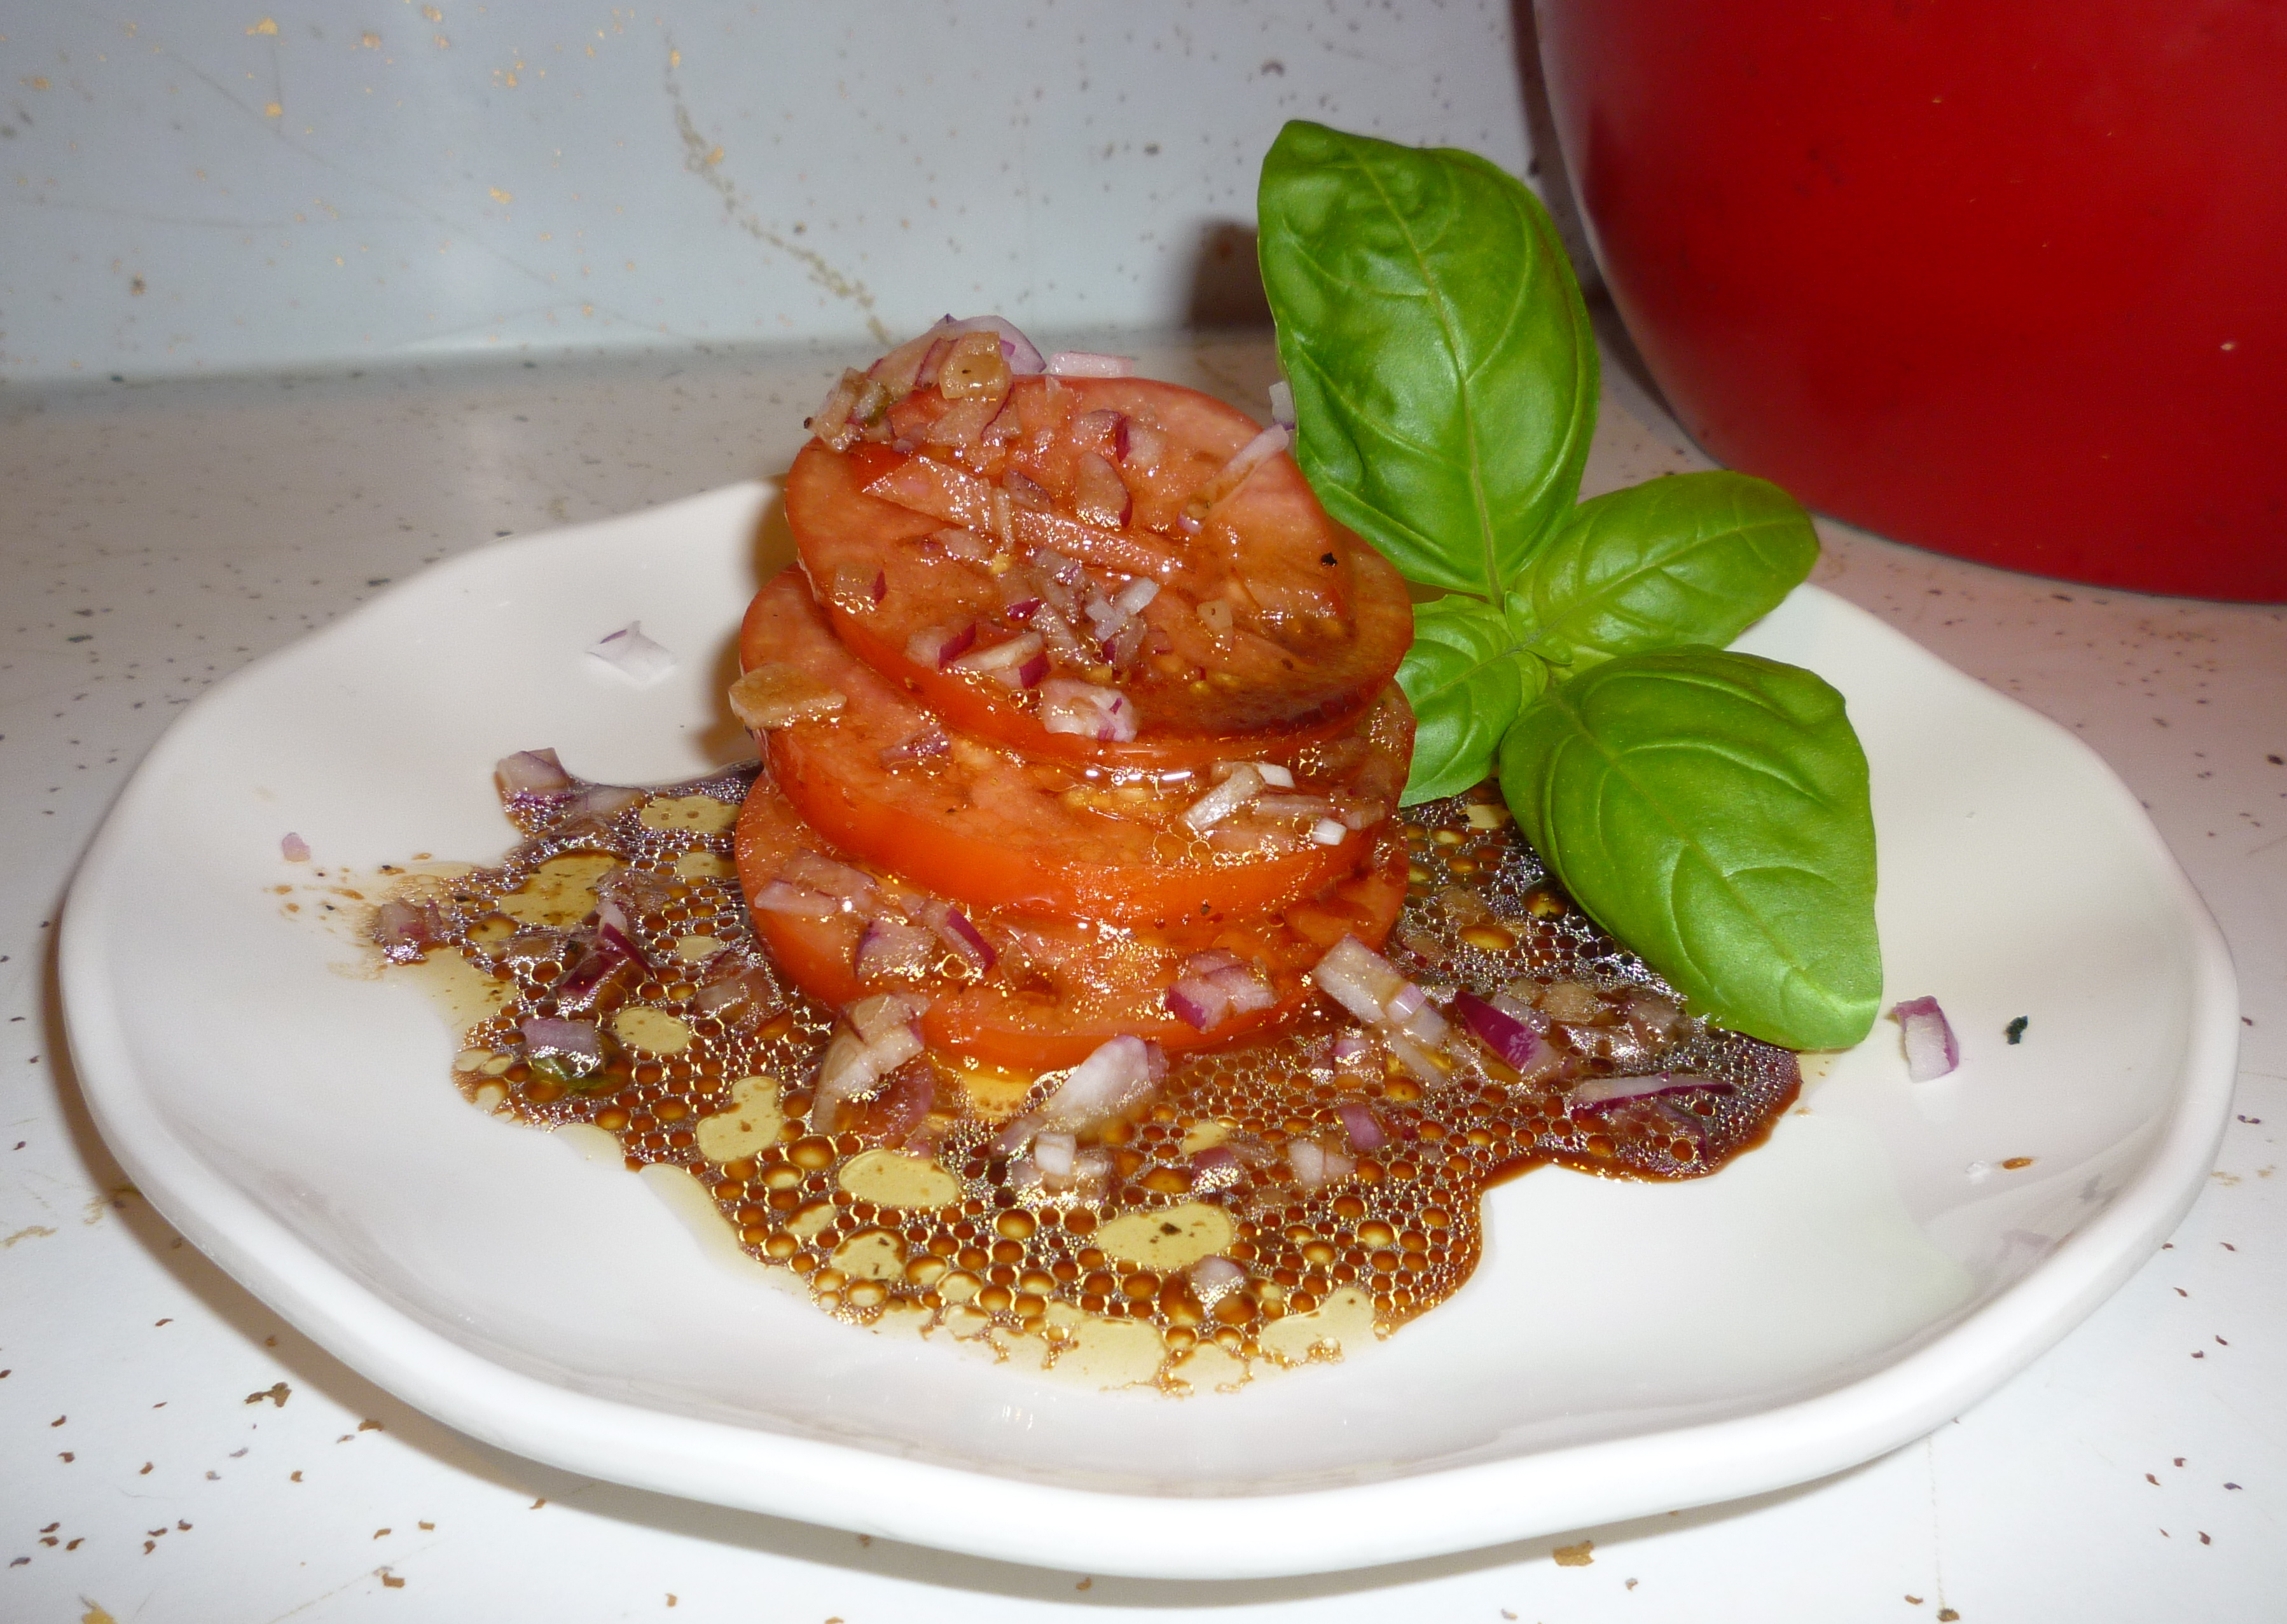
(1624, 1348)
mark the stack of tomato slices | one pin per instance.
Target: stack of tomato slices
(1078, 713)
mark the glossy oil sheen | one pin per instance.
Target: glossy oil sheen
(2007, 281)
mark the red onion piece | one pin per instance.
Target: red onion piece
(1100, 496)
(746, 987)
(955, 929)
(1120, 1074)
(799, 900)
(1088, 364)
(1200, 1004)
(1352, 1049)
(1213, 1279)
(1365, 1129)
(1357, 978)
(1517, 1044)
(1052, 1153)
(576, 1042)
(1931, 1051)
(531, 772)
(1282, 403)
(403, 932)
(1023, 356)
(1102, 713)
(891, 947)
(1597, 1093)
(1243, 785)
(807, 868)
(1314, 1164)
(1034, 671)
(294, 849)
(1011, 654)
(938, 646)
(1233, 474)
(634, 656)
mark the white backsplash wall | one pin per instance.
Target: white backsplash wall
(196, 186)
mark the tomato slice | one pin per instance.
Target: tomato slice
(1304, 623)
(1058, 989)
(990, 828)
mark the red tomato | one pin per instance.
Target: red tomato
(1058, 989)
(1305, 624)
(993, 829)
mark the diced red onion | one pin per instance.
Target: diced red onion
(884, 1013)
(891, 947)
(1100, 496)
(634, 656)
(1141, 445)
(940, 646)
(965, 544)
(1085, 709)
(1428, 1066)
(1016, 1136)
(1399, 1007)
(1517, 1044)
(925, 746)
(531, 772)
(831, 422)
(1032, 673)
(1352, 1049)
(899, 1109)
(1357, 978)
(1120, 1074)
(1282, 403)
(402, 931)
(798, 901)
(1931, 1051)
(1597, 1093)
(747, 986)
(1012, 652)
(1328, 831)
(955, 929)
(1132, 599)
(1088, 364)
(1052, 1153)
(1199, 1004)
(1314, 1164)
(1233, 474)
(293, 847)
(807, 868)
(1023, 358)
(615, 930)
(1363, 1128)
(551, 1038)
(1214, 1169)
(1244, 784)
(1213, 1279)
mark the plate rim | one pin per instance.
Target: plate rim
(1208, 1536)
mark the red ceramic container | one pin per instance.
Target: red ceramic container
(2003, 278)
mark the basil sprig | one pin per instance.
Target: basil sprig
(1709, 808)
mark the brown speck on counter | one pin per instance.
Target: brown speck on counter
(1914, 1600)
(1085, 1584)
(1946, 1615)
(536, 1504)
(67, 1457)
(388, 1579)
(2206, 1541)
(277, 1392)
(369, 1425)
(1575, 1556)
(671, 1598)
(380, 1534)
(293, 1476)
(2149, 1478)
(426, 1527)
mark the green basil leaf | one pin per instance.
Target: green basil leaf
(1710, 809)
(1689, 558)
(1466, 679)
(1443, 371)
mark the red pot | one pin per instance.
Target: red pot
(2003, 278)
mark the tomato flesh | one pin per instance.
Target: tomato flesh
(1305, 624)
(980, 824)
(1060, 988)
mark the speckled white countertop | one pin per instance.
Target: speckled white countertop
(174, 1452)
